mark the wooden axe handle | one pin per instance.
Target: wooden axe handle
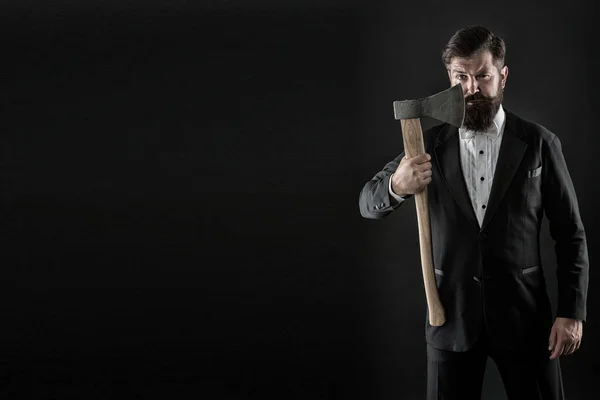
(413, 146)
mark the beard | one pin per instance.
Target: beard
(482, 110)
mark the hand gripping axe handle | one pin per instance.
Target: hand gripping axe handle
(447, 106)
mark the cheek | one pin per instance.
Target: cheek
(454, 81)
(490, 89)
(464, 87)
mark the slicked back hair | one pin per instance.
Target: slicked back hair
(473, 40)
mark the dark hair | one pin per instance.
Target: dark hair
(474, 39)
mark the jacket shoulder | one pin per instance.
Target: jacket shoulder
(530, 129)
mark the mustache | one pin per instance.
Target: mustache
(477, 97)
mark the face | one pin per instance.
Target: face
(483, 87)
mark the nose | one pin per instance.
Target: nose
(471, 87)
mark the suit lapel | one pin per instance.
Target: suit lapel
(511, 153)
(447, 153)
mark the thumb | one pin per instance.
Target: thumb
(552, 341)
(421, 158)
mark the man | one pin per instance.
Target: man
(489, 184)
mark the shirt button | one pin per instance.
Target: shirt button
(480, 151)
(483, 206)
(482, 178)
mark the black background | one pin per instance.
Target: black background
(180, 191)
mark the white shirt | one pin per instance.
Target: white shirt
(478, 158)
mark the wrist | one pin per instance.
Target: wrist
(395, 189)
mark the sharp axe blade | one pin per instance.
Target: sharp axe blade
(447, 106)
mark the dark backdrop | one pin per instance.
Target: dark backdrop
(180, 191)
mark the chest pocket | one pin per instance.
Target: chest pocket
(534, 173)
(533, 187)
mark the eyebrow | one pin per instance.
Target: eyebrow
(460, 71)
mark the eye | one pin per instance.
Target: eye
(484, 76)
(461, 77)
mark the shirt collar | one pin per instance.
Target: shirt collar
(492, 132)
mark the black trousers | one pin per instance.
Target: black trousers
(526, 374)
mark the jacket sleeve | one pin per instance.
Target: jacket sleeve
(375, 201)
(566, 228)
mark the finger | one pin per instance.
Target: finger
(574, 347)
(568, 350)
(552, 340)
(421, 158)
(426, 174)
(426, 166)
(558, 350)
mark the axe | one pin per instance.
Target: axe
(447, 106)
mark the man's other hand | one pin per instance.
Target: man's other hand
(565, 337)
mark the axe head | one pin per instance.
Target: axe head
(447, 106)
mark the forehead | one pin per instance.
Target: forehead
(476, 63)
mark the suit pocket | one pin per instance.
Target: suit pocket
(533, 188)
(439, 274)
(531, 269)
(533, 282)
(532, 173)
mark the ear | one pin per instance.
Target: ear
(504, 75)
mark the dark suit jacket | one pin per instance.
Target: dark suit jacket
(493, 271)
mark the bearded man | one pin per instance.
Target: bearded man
(489, 185)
